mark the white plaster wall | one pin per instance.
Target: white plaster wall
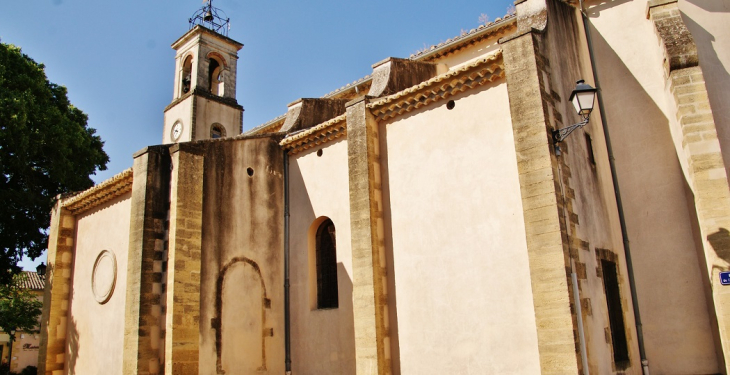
(95, 336)
(460, 267)
(670, 285)
(323, 341)
(182, 112)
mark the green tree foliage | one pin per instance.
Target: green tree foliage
(19, 307)
(46, 149)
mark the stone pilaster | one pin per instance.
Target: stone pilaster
(142, 329)
(701, 149)
(54, 321)
(537, 168)
(372, 340)
(182, 334)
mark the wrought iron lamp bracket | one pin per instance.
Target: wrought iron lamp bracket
(560, 134)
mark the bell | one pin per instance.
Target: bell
(208, 16)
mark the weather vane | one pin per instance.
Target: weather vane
(211, 18)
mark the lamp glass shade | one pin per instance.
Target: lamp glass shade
(582, 98)
(41, 269)
(583, 102)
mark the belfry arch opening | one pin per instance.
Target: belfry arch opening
(187, 71)
(215, 77)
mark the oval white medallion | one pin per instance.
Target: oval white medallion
(104, 276)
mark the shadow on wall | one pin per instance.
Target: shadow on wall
(720, 242)
(73, 345)
(389, 256)
(595, 10)
(347, 320)
(714, 6)
(648, 171)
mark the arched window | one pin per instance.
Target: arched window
(215, 76)
(186, 74)
(217, 131)
(326, 258)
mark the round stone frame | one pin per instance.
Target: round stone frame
(102, 296)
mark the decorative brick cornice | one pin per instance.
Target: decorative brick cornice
(312, 137)
(104, 192)
(480, 72)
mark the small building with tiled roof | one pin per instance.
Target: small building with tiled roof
(544, 194)
(26, 344)
(31, 281)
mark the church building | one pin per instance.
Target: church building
(469, 209)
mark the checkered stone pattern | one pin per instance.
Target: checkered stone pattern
(51, 356)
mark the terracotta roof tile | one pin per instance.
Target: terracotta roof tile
(31, 280)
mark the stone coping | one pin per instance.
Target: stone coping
(478, 72)
(114, 187)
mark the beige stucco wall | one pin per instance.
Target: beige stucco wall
(323, 341)
(670, 286)
(459, 258)
(95, 335)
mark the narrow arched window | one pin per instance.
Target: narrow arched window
(217, 131)
(326, 250)
(186, 74)
(214, 76)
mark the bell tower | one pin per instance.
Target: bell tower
(204, 102)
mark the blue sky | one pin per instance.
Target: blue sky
(115, 57)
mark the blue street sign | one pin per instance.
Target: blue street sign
(725, 278)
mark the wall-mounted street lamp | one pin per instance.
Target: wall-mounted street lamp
(41, 269)
(582, 98)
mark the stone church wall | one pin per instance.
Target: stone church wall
(323, 340)
(707, 21)
(661, 224)
(241, 276)
(209, 112)
(586, 198)
(104, 228)
(454, 233)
